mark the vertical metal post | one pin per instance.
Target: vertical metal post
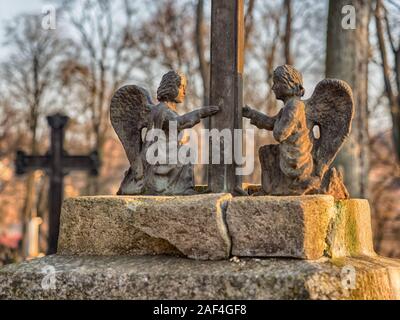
(227, 62)
(57, 124)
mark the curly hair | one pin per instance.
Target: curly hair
(291, 77)
(169, 87)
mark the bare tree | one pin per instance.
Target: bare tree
(8, 139)
(384, 194)
(200, 39)
(8, 122)
(347, 51)
(107, 52)
(249, 22)
(392, 88)
(29, 75)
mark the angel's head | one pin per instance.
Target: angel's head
(288, 82)
(172, 88)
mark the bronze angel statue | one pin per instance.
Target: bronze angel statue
(134, 116)
(302, 161)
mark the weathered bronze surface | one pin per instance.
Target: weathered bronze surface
(132, 111)
(227, 64)
(301, 163)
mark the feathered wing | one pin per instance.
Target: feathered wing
(331, 108)
(130, 107)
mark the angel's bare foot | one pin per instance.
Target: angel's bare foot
(239, 192)
(301, 187)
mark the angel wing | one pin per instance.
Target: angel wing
(130, 107)
(331, 108)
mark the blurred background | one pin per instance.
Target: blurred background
(70, 56)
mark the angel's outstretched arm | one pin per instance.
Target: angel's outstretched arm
(286, 124)
(258, 119)
(189, 120)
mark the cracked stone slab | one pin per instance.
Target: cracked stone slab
(280, 226)
(213, 227)
(194, 225)
(161, 278)
(111, 226)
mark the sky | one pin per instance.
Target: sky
(12, 8)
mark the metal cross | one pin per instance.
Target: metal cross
(57, 163)
(227, 63)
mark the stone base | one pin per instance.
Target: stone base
(192, 226)
(280, 226)
(216, 227)
(177, 278)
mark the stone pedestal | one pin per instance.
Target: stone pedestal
(216, 227)
(190, 226)
(65, 277)
(209, 247)
(280, 226)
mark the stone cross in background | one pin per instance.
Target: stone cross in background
(227, 61)
(57, 163)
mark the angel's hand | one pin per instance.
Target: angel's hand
(189, 120)
(247, 112)
(208, 111)
(258, 119)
